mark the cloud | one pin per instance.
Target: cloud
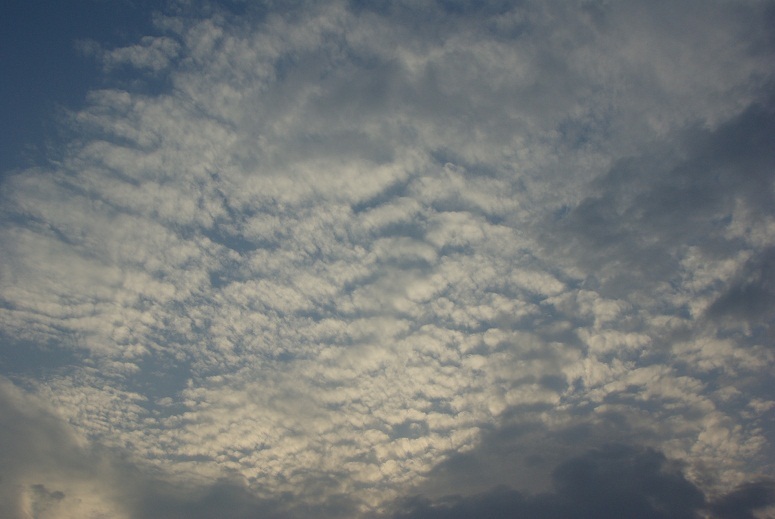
(612, 481)
(745, 500)
(751, 295)
(345, 252)
(48, 471)
(154, 54)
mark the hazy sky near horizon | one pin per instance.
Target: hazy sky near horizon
(410, 259)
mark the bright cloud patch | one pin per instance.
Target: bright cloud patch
(342, 254)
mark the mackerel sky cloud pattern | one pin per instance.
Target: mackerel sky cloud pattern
(421, 259)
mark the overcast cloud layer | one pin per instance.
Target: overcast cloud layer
(427, 259)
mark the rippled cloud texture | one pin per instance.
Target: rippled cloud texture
(423, 259)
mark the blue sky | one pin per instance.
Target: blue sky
(427, 259)
(45, 72)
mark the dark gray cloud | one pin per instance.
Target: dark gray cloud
(744, 501)
(750, 298)
(648, 210)
(610, 482)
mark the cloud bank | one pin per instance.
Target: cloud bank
(320, 258)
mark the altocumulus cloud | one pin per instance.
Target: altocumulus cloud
(401, 259)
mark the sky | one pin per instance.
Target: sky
(427, 259)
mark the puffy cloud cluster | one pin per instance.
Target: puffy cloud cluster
(323, 256)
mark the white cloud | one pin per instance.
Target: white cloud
(348, 245)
